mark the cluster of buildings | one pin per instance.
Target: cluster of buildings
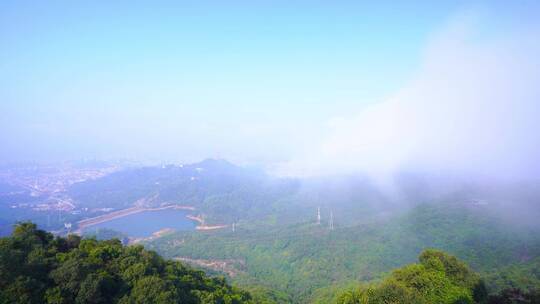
(43, 188)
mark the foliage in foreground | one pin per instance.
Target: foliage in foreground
(36, 267)
(437, 278)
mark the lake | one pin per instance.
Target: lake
(145, 223)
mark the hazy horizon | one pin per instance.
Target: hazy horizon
(300, 89)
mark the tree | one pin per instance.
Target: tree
(36, 267)
(151, 290)
(437, 278)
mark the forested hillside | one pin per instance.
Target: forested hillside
(223, 191)
(308, 262)
(437, 278)
(280, 253)
(36, 267)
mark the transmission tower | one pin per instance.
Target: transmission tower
(331, 220)
(68, 227)
(318, 215)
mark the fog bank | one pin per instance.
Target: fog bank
(471, 110)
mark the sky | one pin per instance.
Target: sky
(303, 87)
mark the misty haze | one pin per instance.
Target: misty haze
(287, 152)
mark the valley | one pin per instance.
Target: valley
(305, 241)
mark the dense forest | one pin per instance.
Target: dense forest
(308, 262)
(437, 278)
(36, 267)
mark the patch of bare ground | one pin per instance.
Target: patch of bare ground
(154, 236)
(231, 267)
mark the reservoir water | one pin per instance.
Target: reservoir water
(145, 223)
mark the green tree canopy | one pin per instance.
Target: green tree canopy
(36, 267)
(437, 278)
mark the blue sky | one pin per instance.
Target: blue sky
(185, 80)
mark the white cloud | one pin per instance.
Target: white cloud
(473, 108)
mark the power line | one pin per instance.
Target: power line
(273, 236)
